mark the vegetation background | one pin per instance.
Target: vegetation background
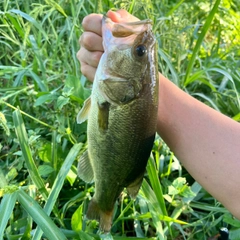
(42, 90)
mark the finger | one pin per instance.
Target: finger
(91, 41)
(88, 57)
(88, 71)
(93, 23)
(121, 16)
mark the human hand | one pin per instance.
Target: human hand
(91, 48)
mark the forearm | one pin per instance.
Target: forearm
(204, 140)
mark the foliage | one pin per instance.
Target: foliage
(42, 89)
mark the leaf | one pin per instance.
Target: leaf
(3, 124)
(26, 151)
(179, 182)
(172, 190)
(77, 92)
(3, 180)
(43, 221)
(237, 117)
(86, 236)
(199, 42)
(61, 101)
(56, 6)
(44, 170)
(76, 220)
(31, 20)
(7, 204)
(44, 152)
(195, 188)
(155, 209)
(174, 75)
(71, 177)
(234, 234)
(207, 99)
(152, 173)
(58, 183)
(229, 219)
(187, 192)
(45, 98)
(12, 173)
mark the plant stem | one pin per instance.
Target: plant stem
(33, 118)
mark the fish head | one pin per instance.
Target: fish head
(129, 59)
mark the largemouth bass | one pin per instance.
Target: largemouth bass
(122, 116)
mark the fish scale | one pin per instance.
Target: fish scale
(122, 116)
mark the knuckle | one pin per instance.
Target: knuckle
(96, 57)
(84, 69)
(90, 19)
(86, 40)
(78, 55)
(85, 22)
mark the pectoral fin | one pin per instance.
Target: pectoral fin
(83, 113)
(85, 171)
(103, 115)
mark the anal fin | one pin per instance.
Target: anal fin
(134, 187)
(85, 171)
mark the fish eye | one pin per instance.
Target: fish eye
(141, 50)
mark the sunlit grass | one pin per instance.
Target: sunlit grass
(42, 89)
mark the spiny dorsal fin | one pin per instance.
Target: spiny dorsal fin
(83, 113)
(85, 171)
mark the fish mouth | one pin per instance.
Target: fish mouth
(114, 33)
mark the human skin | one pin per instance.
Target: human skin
(204, 140)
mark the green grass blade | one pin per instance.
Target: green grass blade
(205, 28)
(208, 208)
(16, 24)
(175, 7)
(154, 208)
(3, 180)
(26, 151)
(230, 78)
(58, 183)
(166, 59)
(50, 230)
(201, 95)
(155, 183)
(31, 20)
(7, 204)
(56, 6)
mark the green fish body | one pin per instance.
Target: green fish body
(122, 116)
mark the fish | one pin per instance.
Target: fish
(122, 116)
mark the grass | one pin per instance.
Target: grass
(42, 90)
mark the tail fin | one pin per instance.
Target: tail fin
(104, 218)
